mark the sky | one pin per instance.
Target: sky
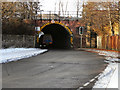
(49, 5)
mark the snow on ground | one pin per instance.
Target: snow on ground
(14, 54)
(114, 78)
(114, 55)
(109, 77)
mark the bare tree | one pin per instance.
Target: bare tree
(119, 17)
(59, 13)
(13, 14)
(78, 7)
(62, 9)
(66, 8)
(100, 17)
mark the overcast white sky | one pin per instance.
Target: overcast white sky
(49, 5)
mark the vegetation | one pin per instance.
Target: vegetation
(14, 16)
(102, 17)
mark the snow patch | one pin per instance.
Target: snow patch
(109, 77)
(14, 54)
(109, 55)
(105, 53)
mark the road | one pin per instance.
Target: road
(53, 69)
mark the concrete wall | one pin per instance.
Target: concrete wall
(99, 42)
(18, 41)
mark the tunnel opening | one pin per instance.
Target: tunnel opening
(60, 36)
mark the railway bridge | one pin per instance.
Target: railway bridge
(63, 31)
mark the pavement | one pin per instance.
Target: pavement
(53, 69)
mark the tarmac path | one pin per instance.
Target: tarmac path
(53, 69)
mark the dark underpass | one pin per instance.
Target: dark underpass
(60, 36)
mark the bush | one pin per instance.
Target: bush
(17, 27)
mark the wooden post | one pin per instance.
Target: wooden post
(118, 43)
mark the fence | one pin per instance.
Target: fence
(18, 41)
(103, 42)
(108, 42)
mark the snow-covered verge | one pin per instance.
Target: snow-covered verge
(109, 77)
(14, 54)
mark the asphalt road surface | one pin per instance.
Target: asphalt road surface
(53, 69)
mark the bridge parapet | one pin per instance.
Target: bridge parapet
(72, 24)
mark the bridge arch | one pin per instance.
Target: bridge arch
(61, 34)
